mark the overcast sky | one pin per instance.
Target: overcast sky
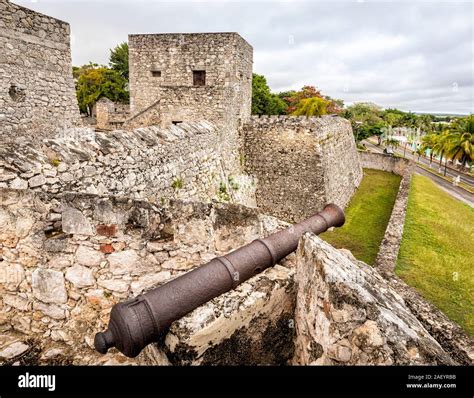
(412, 55)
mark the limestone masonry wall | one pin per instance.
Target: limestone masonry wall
(348, 314)
(111, 115)
(184, 161)
(386, 259)
(37, 95)
(379, 161)
(161, 69)
(66, 260)
(89, 218)
(164, 89)
(301, 163)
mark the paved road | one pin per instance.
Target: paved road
(467, 179)
(456, 192)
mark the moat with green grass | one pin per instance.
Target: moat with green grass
(367, 216)
(437, 251)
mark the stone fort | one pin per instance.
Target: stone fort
(91, 216)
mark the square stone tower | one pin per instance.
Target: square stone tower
(37, 94)
(190, 76)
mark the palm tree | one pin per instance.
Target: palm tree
(440, 145)
(460, 145)
(419, 151)
(428, 142)
(392, 142)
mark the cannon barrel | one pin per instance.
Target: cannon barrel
(137, 322)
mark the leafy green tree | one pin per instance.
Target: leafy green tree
(392, 142)
(428, 141)
(364, 131)
(93, 83)
(364, 112)
(366, 119)
(419, 151)
(77, 71)
(263, 101)
(460, 144)
(308, 107)
(425, 123)
(440, 145)
(285, 95)
(118, 59)
(393, 117)
(293, 99)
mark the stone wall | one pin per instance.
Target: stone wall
(348, 314)
(162, 65)
(162, 89)
(65, 260)
(111, 115)
(387, 255)
(301, 163)
(386, 259)
(37, 95)
(378, 161)
(185, 162)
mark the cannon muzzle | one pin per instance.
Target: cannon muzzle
(137, 322)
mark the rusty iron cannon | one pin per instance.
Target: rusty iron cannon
(137, 322)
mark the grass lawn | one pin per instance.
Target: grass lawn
(437, 252)
(367, 216)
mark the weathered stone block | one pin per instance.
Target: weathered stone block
(19, 183)
(80, 276)
(11, 275)
(51, 310)
(74, 222)
(48, 286)
(88, 256)
(346, 313)
(114, 285)
(16, 301)
(251, 325)
(36, 181)
(12, 348)
(123, 262)
(148, 281)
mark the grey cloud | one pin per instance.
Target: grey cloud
(415, 55)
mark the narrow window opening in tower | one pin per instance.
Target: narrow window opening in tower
(199, 77)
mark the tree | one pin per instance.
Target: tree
(308, 107)
(439, 146)
(427, 143)
(293, 99)
(364, 112)
(460, 144)
(409, 119)
(366, 119)
(94, 83)
(118, 59)
(263, 101)
(392, 142)
(419, 151)
(425, 123)
(393, 117)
